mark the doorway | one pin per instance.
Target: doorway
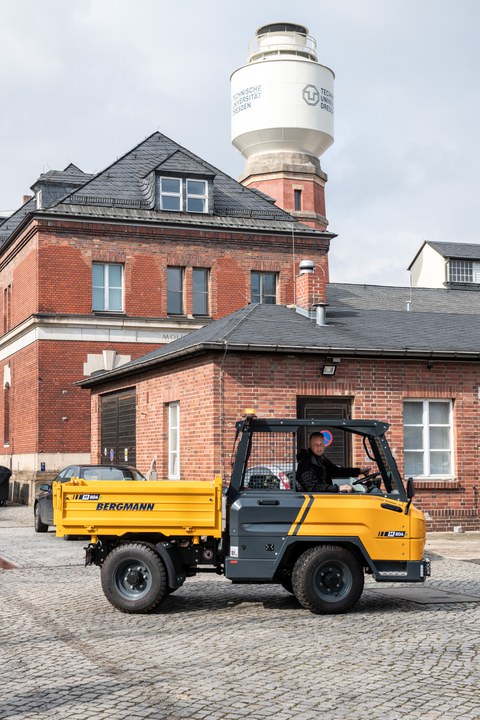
(118, 428)
(339, 450)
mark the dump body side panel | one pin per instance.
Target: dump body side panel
(171, 508)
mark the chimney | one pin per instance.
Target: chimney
(310, 292)
(26, 198)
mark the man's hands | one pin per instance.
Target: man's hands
(348, 488)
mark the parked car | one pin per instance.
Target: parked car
(43, 507)
(268, 477)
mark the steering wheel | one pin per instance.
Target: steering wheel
(367, 480)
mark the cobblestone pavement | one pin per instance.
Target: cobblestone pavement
(217, 651)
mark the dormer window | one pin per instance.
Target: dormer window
(464, 271)
(183, 194)
(170, 194)
(197, 197)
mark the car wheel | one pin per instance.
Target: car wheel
(39, 526)
(134, 579)
(327, 579)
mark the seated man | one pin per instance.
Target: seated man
(315, 471)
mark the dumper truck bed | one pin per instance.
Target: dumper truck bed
(169, 507)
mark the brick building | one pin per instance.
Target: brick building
(97, 270)
(407, 356)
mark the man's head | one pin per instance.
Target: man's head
(317, 443)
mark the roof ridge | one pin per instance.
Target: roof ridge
(248, 312)
(129, 152)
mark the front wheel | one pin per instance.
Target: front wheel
(327, 579)
(134, 579)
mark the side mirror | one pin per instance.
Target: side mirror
(44, 487)
(410, 488)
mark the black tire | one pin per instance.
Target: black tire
(134, 579)
(327, 579)
(39, 526)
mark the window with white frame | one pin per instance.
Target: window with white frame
(263, 287)
(197, 196)
(178, 194)
(107, 286)
(170, 191)
(174, 441)
(428, 438)
(464, 271)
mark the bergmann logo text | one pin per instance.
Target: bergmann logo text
(125, 506)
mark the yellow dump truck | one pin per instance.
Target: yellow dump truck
(264, 527)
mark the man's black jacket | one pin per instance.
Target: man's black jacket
(315, 473)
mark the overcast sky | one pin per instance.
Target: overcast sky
(83, 81)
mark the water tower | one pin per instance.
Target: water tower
(282, 119)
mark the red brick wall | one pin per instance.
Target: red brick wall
(64, 278)
(282, 189)
(63, 256)
(66, 255)
(60, 365)
(43, 392)
(310, 289)
(23, 401)
(18, 268)
(213, 397)
(195, 385)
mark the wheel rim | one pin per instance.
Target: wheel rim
(332, 581)
(133, 579)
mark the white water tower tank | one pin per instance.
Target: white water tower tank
(282, 101)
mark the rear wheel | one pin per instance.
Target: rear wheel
(39, 526)
(327, 579)
(134, 579)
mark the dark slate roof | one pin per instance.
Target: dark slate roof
(461, 251)
(354, 328)
(71, 174)
(380, 297)
(11, 223)
(125, 191)
(67, 179)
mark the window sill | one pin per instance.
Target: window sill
(462, 285)
(108, 312)
(448, 484)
